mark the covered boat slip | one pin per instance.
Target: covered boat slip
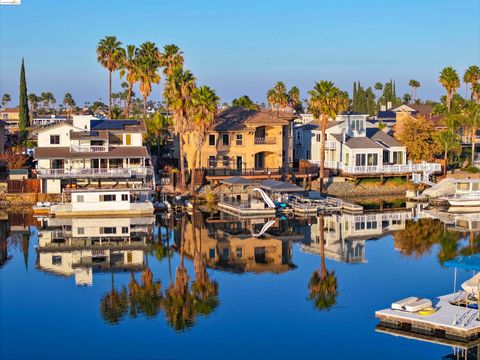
(457, 315)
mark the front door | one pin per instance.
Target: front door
(239, 163)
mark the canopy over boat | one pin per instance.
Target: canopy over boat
(279, 186)
(471, 262)
(236, 180)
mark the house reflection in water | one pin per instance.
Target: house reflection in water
(346, 234)
(238, 245)
(81, 246)
(4, 257)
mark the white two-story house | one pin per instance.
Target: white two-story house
(88, 152)
(355, 146)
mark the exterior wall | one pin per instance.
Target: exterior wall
(91, 201)
(82, 121)
(248, 149)
(11, 118)
(52, 186)
(43, 139)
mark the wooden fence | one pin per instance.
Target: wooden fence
(23, 186)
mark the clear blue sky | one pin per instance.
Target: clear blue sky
(242, 46)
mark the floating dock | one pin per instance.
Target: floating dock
(450, 322)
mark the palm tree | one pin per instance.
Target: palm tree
(203, 112)
(178, 96)
(33, 100)
(281, 96)
(449, 141)
(6, 98)
(407, 98)
(246, 102)
(294, 97)
(414, 84)
(470, 119)
(271, 99)
(323, 283)
(47, 98)
(156, 128)
(129, 67)
(378, 87)
(171, 59)
(110, 55)
(147, 71)
(326, 101)
(476, 92)
(69, 102)
(471, 76)
(450, 81)
(114, 304)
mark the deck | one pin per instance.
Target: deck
(450, 322)
(260, 174)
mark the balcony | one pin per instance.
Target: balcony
(265, 140)
(95, 173)
(88, 149)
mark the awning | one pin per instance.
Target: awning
(471, 262)
(279, 186)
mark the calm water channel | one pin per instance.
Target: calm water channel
(216, 286)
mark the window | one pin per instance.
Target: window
(136, 161)
(109, 197)
(56, 260)
(80, 198)
(372, 159)
(211, 139)
(347, 158)
(239, 252)
(319, 138)
(299, 135)
(128, 139)
(108, 230)
(211, 253)
(398, 157)
(124, 230)
(226, 253)
(226, 161)
(307, 154)
(226, 139)
(239, 140)
(124, 197)
(57, 164)
(211, 161)
(81, 231)
(54, 139)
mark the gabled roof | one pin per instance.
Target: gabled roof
(382, 136)
(416, 109)
(39, 129)
(239, 118)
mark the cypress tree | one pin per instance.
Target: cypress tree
(354, 98)
(24, 115)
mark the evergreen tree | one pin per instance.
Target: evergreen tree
(24, 115)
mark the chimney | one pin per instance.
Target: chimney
(383, 108)
(389, 105)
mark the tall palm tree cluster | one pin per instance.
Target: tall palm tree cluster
(193, 108)
(278, 97)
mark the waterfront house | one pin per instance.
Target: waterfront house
(245, 140)
(356, 147)
(43, 120)
(88, 152)
(11, 118)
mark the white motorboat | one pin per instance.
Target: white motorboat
(466, 196)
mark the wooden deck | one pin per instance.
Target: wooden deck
(450, 322)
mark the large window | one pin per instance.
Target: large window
(372, 159)
(108, 230)
(211, 139)
(226, 139)
(226, 161)
(54, 139)
(57, 164)
(80, 198)
(211, 161)
(398, 157)
(108, 197)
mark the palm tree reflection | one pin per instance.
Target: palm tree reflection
(114, 304)
(323, 283)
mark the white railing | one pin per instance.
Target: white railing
(382, 169)
(105, 173)
(265, 140)
(330, 144)
(93, 148)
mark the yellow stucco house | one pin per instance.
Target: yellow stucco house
(245, 139)
(11, 117)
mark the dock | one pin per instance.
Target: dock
(449, 323)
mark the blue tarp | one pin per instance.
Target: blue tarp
(471, 262)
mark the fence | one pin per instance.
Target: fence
(23, 186)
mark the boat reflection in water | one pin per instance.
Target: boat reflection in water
(81, 246)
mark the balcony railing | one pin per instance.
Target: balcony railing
(265, 140)
(87, 149)
(382, 169)
(94, 173)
